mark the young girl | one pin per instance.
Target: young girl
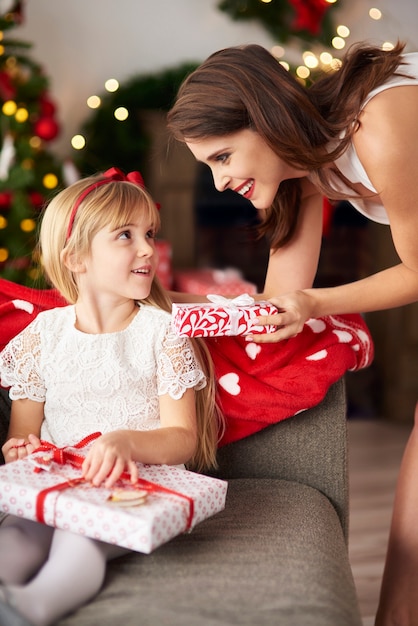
(108, 362)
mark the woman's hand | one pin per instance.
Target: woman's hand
(18, 448)
(108, 458)
(294, 310)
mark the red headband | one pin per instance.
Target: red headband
(111, 175)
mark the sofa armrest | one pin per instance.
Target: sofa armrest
(309, 448)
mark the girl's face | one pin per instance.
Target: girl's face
(245, 163)
(122, 261)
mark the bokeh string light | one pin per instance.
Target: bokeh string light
(318, 58)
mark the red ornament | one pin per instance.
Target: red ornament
(309, 14)
(7, 89)
(5, 199)
(47, 107)
(37, 199)
(46, 128)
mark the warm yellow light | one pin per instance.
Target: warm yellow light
(375, 14)
(1, 49)
(285, 64)
(387, 45)
(121, 114)
(78, 142)
(325, 58)
(338, 43)
(302, 71)
(111, 85)
(265, 1)
(335, 64)
(277, 51)
(21, 115)
(50, 181)
(310, 60)
(35, 142)
(27, 164)
(3, 222)
(4, 255)
(331, 1)
(11, 63)
(343, 31)
(28, 225)
(94, 102)
(9, 107)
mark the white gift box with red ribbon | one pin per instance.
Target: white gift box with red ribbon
(176, 499)
(221, 317)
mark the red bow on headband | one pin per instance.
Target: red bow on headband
(111, 175)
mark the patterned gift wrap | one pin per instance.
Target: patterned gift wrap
(176, 500)
(221, 317)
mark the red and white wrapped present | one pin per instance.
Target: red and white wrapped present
(228, 282)
(221, 317)
(48, 487)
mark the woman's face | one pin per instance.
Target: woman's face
(244, 163)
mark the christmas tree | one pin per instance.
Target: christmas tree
(29, 172)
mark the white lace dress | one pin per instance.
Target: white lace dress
(102, 382)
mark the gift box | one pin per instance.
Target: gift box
(228, 282)
(221, 317)
(48, 487)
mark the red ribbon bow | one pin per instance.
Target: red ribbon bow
(113, 174)
(65, 455)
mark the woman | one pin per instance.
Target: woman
(283, 147)
(352, 135)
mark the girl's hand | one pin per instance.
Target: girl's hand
(294, 310)
(108, 458)
(19, 448)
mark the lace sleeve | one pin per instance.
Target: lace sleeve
(19, 366)
(178, 369)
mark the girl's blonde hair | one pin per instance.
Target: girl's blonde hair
(113, 204)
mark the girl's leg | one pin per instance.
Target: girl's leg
(24, 548)
(72, 575)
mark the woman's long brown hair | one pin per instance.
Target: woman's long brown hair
(246, 87)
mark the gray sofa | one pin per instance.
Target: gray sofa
(277, 554)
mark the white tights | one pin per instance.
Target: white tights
(50, 572)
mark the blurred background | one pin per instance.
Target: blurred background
(85, 85)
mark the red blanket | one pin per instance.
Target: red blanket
(257, 385)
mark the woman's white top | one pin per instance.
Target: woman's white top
(98, 382)
(349, 163)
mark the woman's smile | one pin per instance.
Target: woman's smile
(244, 163)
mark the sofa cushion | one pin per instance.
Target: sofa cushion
(275, 555)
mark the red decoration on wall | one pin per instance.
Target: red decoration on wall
(7, 89)
(46, 128)
(309, 14)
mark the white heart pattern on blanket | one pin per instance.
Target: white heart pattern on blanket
(252, 350)
(317, 326)
(317, 356)
(230, 382)
(343, 336)
(23, 305)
